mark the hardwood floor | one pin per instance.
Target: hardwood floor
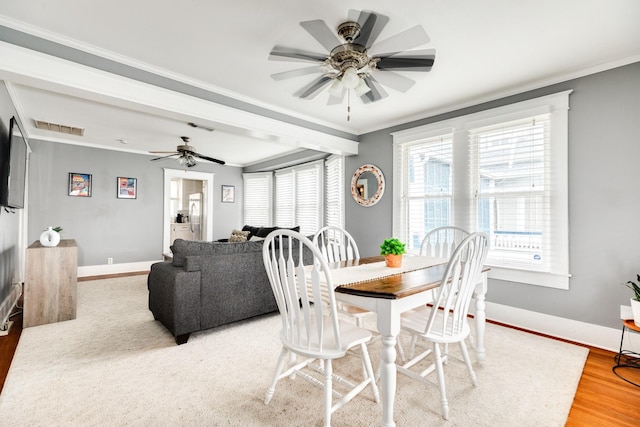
(8, 344)
(602, 399)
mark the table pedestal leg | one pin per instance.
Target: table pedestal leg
(388, 379)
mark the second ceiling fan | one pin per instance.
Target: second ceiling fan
(186, 154)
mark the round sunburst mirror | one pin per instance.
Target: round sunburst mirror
(367, 185)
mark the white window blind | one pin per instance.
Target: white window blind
(513, 192)
(427, 196)
(299, 197)
(285, 200)
(258, 198)
(501, 171)
(334, 201)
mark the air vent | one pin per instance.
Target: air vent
(55, 127)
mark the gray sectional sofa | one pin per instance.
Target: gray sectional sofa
(209, 284)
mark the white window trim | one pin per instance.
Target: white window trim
(558, 106)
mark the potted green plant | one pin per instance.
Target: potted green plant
(635, 300)
(392, 249)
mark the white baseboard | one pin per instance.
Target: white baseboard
(572, 330)
(100, 270)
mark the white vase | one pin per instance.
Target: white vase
(635, 309)
(49, 237)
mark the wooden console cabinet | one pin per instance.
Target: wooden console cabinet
(50, 286)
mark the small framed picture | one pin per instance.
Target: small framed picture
(79, 184)
(228, 193)
(127, 188)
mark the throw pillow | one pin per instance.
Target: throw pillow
(238, 236)
(252, 230)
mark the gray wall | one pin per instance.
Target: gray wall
(604, 198)
(127, 230)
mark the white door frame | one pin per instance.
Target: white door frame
(186, 174)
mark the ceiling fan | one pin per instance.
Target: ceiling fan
(186, 154)
(353, 62)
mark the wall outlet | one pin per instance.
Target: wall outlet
(109, 260)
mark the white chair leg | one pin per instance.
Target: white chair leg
(400, 349)
(279, 365)
(412, 349)
(328, 392)
(369, 372)
(440, 373)
(467, 361)
(445, 358)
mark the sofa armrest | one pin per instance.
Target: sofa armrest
(174, 297)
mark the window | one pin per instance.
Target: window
(334, 200)
(428, 187)
(299, 197)
(257, 198)
(501, 171)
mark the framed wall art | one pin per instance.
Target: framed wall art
(79, 184)
(228, 193)
(127, 188)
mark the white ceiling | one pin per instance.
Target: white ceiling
(484, 50)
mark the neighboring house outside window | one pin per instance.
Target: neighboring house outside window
(501, 171)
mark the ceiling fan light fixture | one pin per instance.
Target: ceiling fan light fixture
(362, 88)
(350, 78)
(336, 88)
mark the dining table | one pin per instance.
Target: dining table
(368, 284)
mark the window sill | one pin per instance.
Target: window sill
(548, 280)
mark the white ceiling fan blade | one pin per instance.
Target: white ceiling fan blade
(322, 33)
(297, 73)
(371, 25)
(408, 39)
(376, 93)
(282, 53)
(413, 60)
(311, 90)
(394, 80)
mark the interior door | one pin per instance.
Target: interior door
(171, 206)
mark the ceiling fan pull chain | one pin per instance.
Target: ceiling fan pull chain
(348, 105)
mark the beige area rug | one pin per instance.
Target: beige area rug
(115, 366)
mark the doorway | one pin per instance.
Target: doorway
(188, 206)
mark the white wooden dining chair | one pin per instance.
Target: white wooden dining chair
(438, 243)
(336, 244)
(446, 321)
(312, 331)
(442, 241)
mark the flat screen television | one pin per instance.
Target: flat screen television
(14, 165)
